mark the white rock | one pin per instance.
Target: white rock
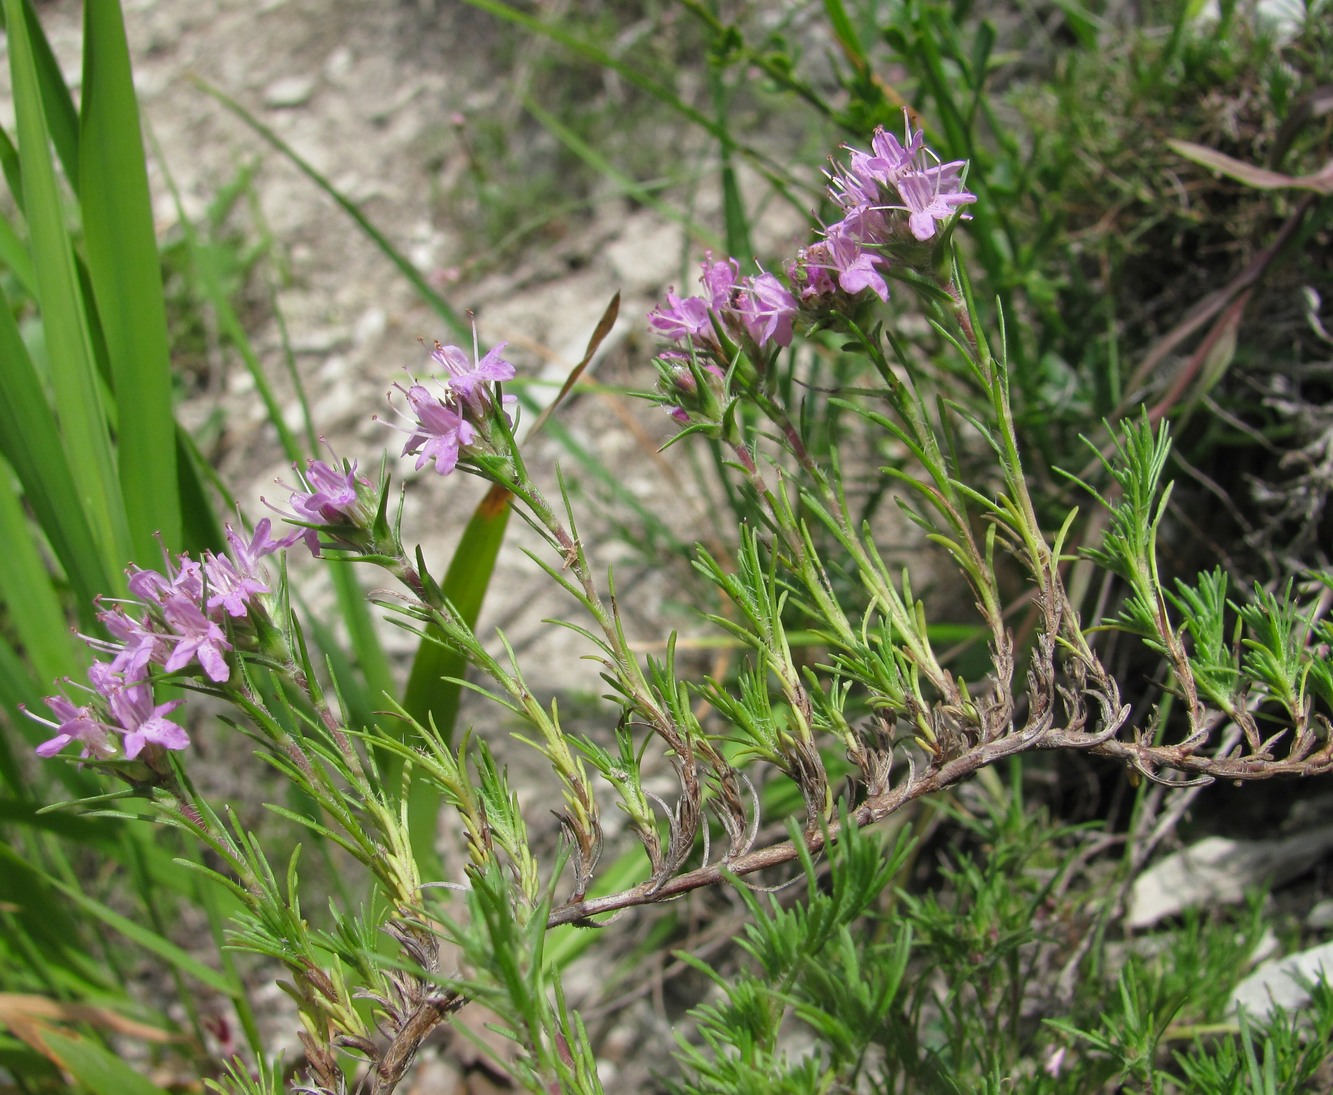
(338, 65)
(1219, 871)
(648, 257)
(288, 92)
(1276, 984)
(370, 325)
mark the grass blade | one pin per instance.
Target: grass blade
(96, 1067)
(30, 603)
(58, 105)
(429, 694)
(74, 375)
(126, 275)
(30, 441)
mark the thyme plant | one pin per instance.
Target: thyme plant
(870, 718)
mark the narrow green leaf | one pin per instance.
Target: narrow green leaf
(632, 73)
(624, 184)
(137, 933)
(28, 600)
(74, 374)
(96, 1067)
(845, 32)
(30, 441)
(126, 274)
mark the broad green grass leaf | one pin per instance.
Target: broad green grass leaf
(9, 164)
(14, 255)
(74, 374)
(95, 1067)
(432, 692)
(126, 275)
(30, 441)
(29, 602)
(137, 933)
(433, 687)
(62, 118)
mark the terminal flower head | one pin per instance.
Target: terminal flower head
(333, 498)
(896, 175)
(330, 496)
(468, 380)
(438, 432)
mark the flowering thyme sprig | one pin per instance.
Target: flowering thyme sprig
(894, 199)
(193, 612)
(332, 506)
(756, 310)
(460, 419)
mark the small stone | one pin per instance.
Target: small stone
(338, 65)
(647, 257)
(370, 325)
(290, 91)
(321, 340)
(1217, 871)
(1277, 984)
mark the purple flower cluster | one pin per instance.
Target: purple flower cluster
(179, 617)
(444, 424)
(759, 308)
(329, 497)
(893, 199)
(897, 189)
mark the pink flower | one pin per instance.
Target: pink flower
(810, 272)
(195, 637)
(888, 158)
(719, 280)
(139, 643)
(229, 588)
(142, 723)
(185, 579)
(330, 497)
(439, 431)
(681, 318)
(855, 266)
(767, 309)
(932, 195)
(73, 723)
(468, 380)
(261, 543)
